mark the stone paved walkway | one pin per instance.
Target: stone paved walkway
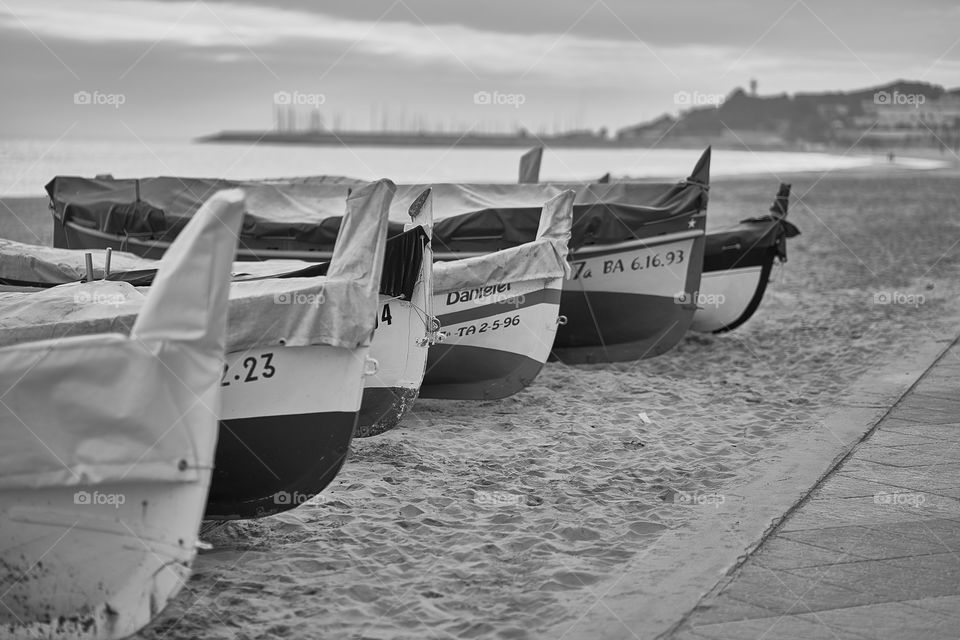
(875, 550)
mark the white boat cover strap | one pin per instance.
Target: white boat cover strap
(94, 409)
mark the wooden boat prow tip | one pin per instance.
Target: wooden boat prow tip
(103, 482)
(499, 312)
(737, 266)
(530, 166)
(405, 330)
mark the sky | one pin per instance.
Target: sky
(178, 69)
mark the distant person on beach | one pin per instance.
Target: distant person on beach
(890, 156)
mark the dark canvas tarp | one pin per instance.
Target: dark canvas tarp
(751, 241)
(482, 217)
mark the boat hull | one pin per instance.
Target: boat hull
(383, 408)
(287, 421)
(730, 297)
(629, 301)
(124, 559)
(494, 346)
(399, 345)
(400, 348)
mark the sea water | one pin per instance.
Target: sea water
(26, 165)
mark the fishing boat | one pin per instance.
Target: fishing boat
(500, 312)
(405, 325)
(289, 224)
(297, 356)
(737, 265)
(737, 260)
(636, 253)
(107, 441)
(636, 249)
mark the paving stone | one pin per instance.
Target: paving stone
(937, 402)
(916, 455)
(724, 608)
(927, 478)
(947, 606)
(889, 620)
(782, 552)
(791, 591)
(939, 387)
(841, 486)
(937, 432)
(948, 492)
(925, 414)
(775, 628)
(888, 437)
(891, 580)
(926, 536)
(859, 542)
(887, 505)
(686, 634)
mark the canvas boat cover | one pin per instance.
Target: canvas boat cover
(338, 309)
(753, 239)
(543, 258)
(31, 265)
(107, 408)
(479, 217)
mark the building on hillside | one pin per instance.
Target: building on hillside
(913, 113)
(653, 130)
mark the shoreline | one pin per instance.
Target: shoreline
(879, 169)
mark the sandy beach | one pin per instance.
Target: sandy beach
(502, 519)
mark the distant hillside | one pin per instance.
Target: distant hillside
(811, 117)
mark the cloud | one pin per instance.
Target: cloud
(235, 27)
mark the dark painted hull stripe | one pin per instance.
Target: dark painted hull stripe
(457, 372)
(520, 301)
(383, 408)
(754, 303)
(268, 464)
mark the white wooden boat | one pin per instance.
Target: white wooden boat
(737, 266)
(296, 362)
(107, 444)
(406, 327)
(737, 261)
(499, 313)
(286, 210)
(618, 230)
(634, 247)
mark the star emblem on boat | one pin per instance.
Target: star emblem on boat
(692, 223)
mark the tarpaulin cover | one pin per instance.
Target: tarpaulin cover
(338, 309)
(107, 408)
(36, 266)
(30, 263)
(482, 217)
(543, 258)
(751, 242)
